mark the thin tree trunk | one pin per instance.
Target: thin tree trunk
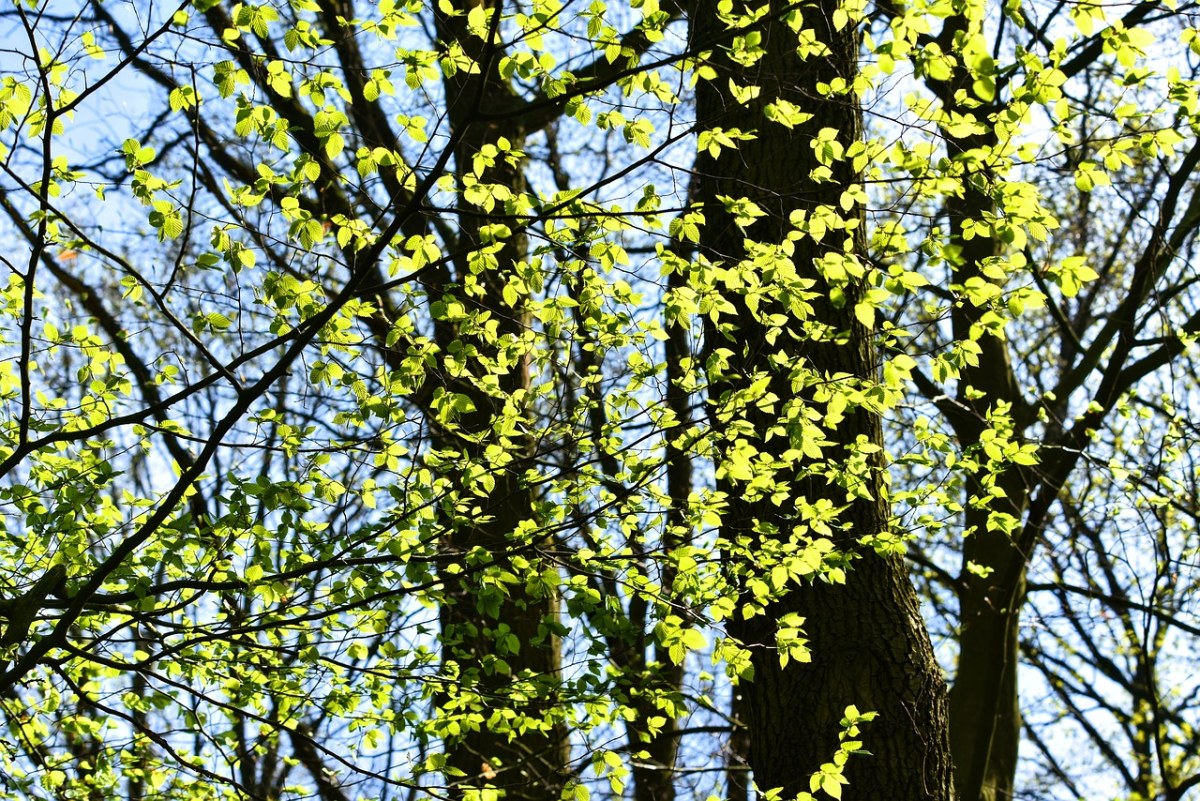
(738, 759)
(653, 776)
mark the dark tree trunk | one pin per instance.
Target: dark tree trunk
(868, 642)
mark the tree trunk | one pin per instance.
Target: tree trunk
(869, 646)
(653, 775)
(500, 639)
(985, 714)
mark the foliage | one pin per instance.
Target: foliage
(376, 391)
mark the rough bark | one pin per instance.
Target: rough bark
(868, 642)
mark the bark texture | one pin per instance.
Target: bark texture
(868, 641)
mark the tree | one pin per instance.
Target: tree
(791, 343)
(470, 372)
(1053, 379)
(473, 522)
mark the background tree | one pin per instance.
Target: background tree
(443, 355)
(1061, 374)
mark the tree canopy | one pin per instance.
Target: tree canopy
(531, 400)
